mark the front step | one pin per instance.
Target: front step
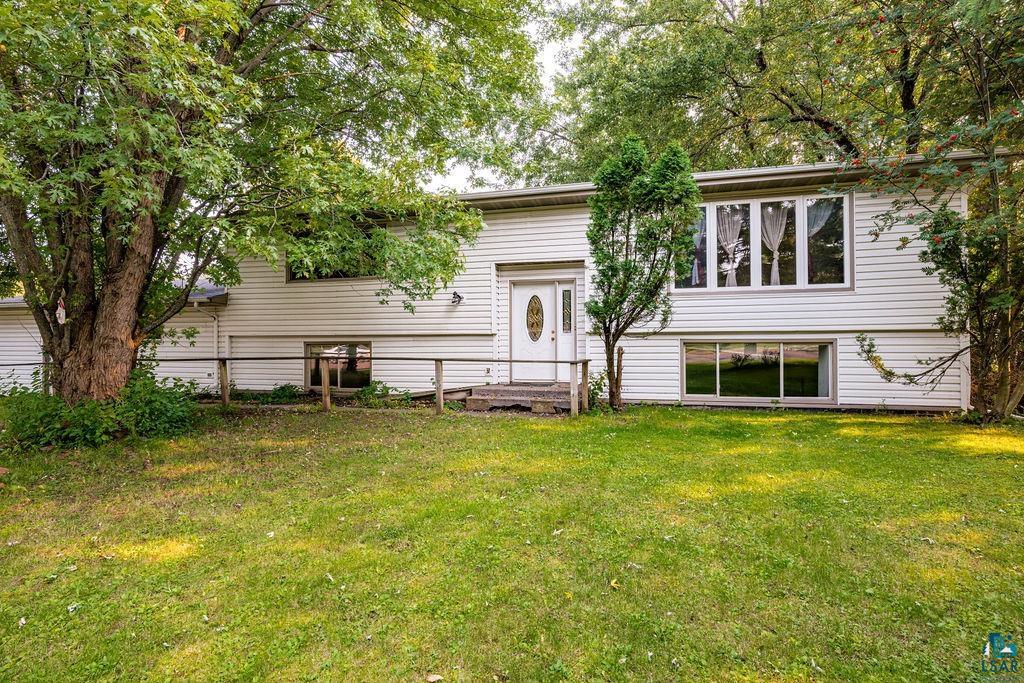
(539, 398)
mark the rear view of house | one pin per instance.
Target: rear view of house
(785, 276)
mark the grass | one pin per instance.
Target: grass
(389, 545)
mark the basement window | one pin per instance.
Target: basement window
(348, 365)
(757, 371)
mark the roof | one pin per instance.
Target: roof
(710, 182)
(204, 292)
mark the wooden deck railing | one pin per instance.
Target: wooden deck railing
(579, 391)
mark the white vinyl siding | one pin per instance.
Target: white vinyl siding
(19, 343)
(202, 346)
(887, 296)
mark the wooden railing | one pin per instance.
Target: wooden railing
(579, 391)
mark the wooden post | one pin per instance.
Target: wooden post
(439, 386)
(225, 386)
(574, 389)
(325, 382)
(585, 398)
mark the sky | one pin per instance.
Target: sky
(458, 176)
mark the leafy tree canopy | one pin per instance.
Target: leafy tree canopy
(145, 144)
(891, 88)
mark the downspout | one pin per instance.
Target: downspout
(216, 334)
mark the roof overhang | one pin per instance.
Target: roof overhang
(210, 294)
(710, 183)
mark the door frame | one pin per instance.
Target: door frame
(540, 280)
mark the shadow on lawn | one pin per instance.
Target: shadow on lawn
(361, 542)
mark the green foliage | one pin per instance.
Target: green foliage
(972, 101)
(639, 231)
(597, 389)
(146, 407)
(743, 83)
(454, 406)
(377, 394)
(890, 87)
(280, 394)
(145, 144)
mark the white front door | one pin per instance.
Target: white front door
(534, 328)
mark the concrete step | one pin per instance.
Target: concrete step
(536, 405)
(520, 390)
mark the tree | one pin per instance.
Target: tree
(640, 228)
(739, 81)
(972, 67)
(781, 81)
(146, 144)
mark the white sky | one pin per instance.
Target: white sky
(458, 176)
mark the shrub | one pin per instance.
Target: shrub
(284, 393)
(280, 394)
(148, 407)
(379, 395)
(145, 407)
(596, 387)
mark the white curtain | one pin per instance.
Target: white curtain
(729, 225)
(699, 237)
(773, 227)
(818, 211)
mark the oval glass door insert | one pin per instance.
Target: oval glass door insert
(534, 317)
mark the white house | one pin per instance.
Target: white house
(784, 279)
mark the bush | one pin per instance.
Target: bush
(379, 395)
(597, 389)
(284, 393)
(280, 394)
(145, 407)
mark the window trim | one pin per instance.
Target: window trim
(756, 286)
(307, 371)
(718, 399)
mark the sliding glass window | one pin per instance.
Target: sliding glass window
(806, 370)
(700, 369)
(347, 362)
(757, 370)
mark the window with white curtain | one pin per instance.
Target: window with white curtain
(826, 237)
(733, 245)
(799, 242)
(698, 265)
(778, 243)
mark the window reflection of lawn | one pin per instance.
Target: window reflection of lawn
(754, 379)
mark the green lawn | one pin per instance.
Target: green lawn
(656, 545)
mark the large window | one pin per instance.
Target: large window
(770, 243)
(348, 364)
(757, 370)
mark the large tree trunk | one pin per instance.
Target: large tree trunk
(97, 354)
(97, 364)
